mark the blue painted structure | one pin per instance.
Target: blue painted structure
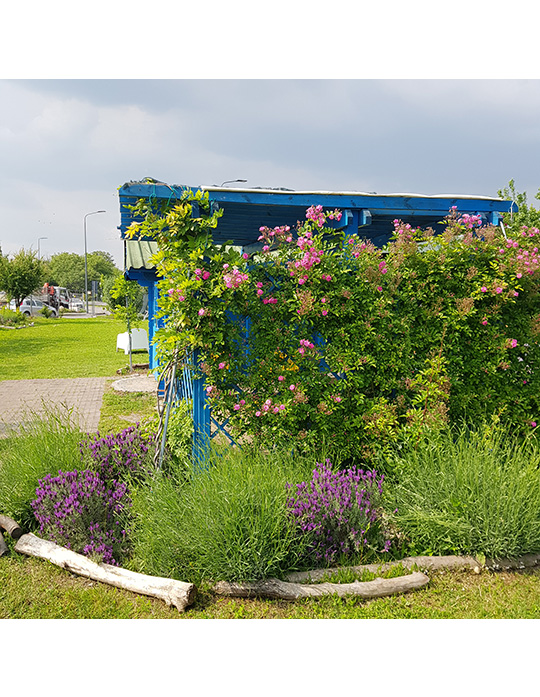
(369, 215)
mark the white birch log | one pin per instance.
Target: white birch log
(172, 592)
(283, 590)
(427, 563)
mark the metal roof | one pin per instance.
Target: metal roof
(369, 214)
(138, 253)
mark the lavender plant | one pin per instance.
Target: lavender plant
(340, 513)
(115, 457)
(78, 511)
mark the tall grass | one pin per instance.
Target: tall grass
(228, 522)
(474, 491)
(45, 446)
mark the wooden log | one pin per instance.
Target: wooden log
(172, 592)
(10, 526)
(426, 563)
(3, 546)
(524, 562)
(283, 590)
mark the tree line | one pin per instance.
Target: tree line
(23, 273)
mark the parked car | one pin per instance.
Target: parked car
(76, 305)
(32, 307)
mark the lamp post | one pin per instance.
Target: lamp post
(85, 260)
(233, 181)
(38, 246)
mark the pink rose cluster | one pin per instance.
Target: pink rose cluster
(268, 407)
(204, 275)
(177, 293)
(276, 234)
(470, 221)
(317, 215)
(234, 278)
(305, 344)
(311, 257)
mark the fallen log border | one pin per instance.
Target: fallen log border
(10, 526)
(296, 585)
(171, 591)
(424, 563)
(285, 590)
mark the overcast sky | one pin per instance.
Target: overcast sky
(67, 145)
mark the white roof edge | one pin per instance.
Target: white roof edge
(345, 193)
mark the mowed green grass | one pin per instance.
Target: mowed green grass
(64, 348)
(35, 589)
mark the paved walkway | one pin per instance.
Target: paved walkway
(19, 399)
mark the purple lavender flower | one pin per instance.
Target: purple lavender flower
(116, 457)
(79, 511)
(339, 511)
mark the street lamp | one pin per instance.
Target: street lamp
(233, 181)
(38, 248)
(85, 259)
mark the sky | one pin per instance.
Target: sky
(67, 145)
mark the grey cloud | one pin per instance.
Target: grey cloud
(80, 140)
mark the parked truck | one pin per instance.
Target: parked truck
(56, 296)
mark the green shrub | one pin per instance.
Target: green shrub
(178, 438)
(42, 447)
(322, 334)
(228, 522)
(10, 318)
(477, 491)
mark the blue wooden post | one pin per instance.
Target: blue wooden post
(201, 421)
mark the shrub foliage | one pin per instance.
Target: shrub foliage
(323, 335)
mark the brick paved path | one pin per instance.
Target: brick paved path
(18, 398)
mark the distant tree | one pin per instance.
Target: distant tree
(125, 299)
(21, 275)
(67, 269)
(527, 214)
(100, 264)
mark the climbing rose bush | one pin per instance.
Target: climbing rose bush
(322, 335)
(339, 512)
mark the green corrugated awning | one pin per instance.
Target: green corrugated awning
(138, 253)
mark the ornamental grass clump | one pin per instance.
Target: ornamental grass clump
(116, 457)
(472, 490)
(78, 511)
(340, 513)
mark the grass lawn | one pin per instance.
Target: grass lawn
(34, 589)
(123, 409)
(63, 348)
